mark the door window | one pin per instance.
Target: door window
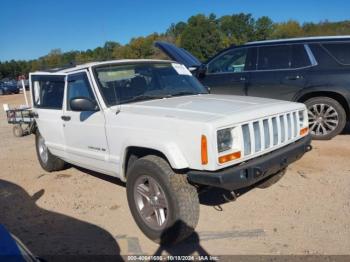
(232, 61)
(79, 87)
(274, 57)
(300, 57)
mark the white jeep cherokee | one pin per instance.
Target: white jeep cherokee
(154, 126)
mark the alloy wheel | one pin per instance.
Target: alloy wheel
(323, 119)
(43, 151)
(151, 202)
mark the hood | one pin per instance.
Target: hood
(178, 54)
(209, 107)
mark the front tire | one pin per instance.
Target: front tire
(327, 117)
(47, 161)
(164, 205)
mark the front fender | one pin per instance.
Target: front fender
(170, 150)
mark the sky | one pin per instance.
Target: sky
(31, 28)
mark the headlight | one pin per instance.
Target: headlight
(224, 139)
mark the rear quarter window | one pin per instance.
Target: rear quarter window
(340, 51)
(300, 57)
(48, 92)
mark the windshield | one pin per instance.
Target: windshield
(120, 84)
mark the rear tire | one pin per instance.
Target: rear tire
(272, 179)
(18, 130)
(47, 161)
(327, 117)
(175, 201)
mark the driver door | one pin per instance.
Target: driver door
(84, 132)
(227, 73)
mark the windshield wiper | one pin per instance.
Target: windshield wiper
(142, 98)
(183, 93)
(149, 97)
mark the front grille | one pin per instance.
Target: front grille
(269, 132)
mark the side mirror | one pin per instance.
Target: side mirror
(82, 104)
(201, 71)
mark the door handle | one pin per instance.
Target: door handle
(242, 78)
(65, 118)
(297, 77)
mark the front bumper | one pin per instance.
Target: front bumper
(254, 170)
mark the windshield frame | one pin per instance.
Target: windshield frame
(126, 63)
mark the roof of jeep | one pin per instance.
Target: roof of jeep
(93, 64)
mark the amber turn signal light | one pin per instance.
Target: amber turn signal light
(304, 131)
(229, 157)
(204, 150)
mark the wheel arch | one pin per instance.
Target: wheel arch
(132, 153)
(340, 98)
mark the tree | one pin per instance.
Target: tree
(237, 29)
(175, 30)
(263, 28)
(201, 37)
(288, 29)
(53, 59)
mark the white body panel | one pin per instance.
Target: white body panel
(51, 127)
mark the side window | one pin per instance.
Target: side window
(232, 61)
(274, 57)
(340, 51)
(79, 87)
(48, 91)
(300, 57)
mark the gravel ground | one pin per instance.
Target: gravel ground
(79, 212)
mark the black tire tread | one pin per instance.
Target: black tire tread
(185, 194)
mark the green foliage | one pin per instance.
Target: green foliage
(291, 28)
(201, 35)
(175, 30)
(263, 28)
(237, 29)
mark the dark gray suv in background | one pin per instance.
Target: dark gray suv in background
(315, 71)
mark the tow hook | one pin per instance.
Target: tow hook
(233, 196)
